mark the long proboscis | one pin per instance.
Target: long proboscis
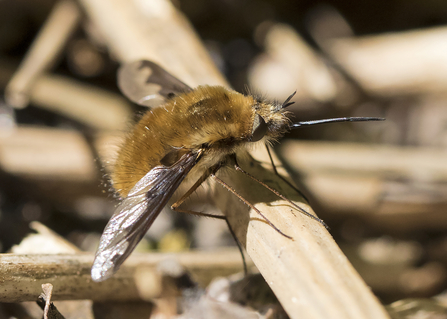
(335, 120)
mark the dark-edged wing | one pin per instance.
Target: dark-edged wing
(146, 83)
(136, 213)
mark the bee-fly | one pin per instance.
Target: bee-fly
(187, 136)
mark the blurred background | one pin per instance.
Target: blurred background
(380, 186)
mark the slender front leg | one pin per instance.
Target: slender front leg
(280, 176)
(246, 202)
(240, 169)
(175, 207)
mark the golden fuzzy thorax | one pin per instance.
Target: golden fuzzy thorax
(209, 117)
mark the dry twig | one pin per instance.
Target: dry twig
(43, 52)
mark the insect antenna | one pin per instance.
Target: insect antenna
(334, 120)
(287, 101)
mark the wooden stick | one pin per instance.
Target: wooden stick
(309, 274)
(155, 31)
(92, 106)
(290, 64)
(398, 188)
(47, 154)
(55, 154)
(141, 277)
(385, 161)
(44, 51)
(395, 63)
(403, 63)
(21, 276)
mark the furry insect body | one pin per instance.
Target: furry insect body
(211, 118)
(188, 135)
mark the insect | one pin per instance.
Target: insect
(186, 137)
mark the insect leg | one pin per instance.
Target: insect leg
(232, 190)
(175, 207)
(239, 246)
(238, 168)
(280, 176)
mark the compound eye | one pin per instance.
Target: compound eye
(259, 129)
